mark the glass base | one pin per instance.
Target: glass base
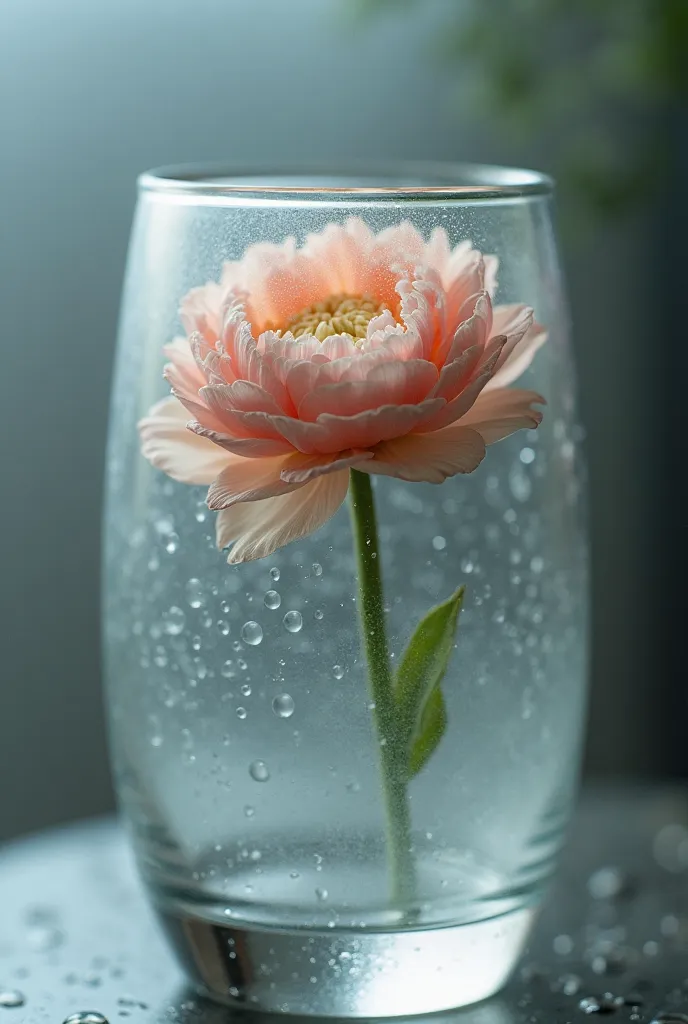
(348, 973)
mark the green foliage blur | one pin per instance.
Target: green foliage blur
(597, 79)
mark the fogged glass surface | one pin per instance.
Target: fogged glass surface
(243, 740)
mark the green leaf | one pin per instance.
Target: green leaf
(422, 716)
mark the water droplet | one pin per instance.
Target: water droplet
(173, 621)
(322, 894)
(11, 997)
(294, 874)
(225, 607)
(172, 543)
(439, 543)
(669, 1018)
(249, 811)
(272, 600)
(293, 621)
(223, 626)
(520, 484)
(338, 671)
(527, 456)
(537, 564)
(569, 984)
(318, 614)
(283, 705)
(259, 771)
(194, 593)
(86, 1017)
(670, 925)
(164, 526)
(241, 713)
(275, 573)
(252, 633)
(317, 569)
(601, 1004)
(243, 665)
(227, 669)
(563, 945)
(246, 690)
(651, 948)
(607, 883)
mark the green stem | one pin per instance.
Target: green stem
(392, 759)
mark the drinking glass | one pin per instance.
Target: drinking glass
(348, 754)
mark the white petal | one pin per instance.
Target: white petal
(170, 446)
(261, 527)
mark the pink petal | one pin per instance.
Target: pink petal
(242, 396)
(299, 469)
(337, 346)
(200, 311)
(423, 309)
(438, 252)
(262, 527)
(338, 250)
(331, 434)
(460, 405)
(387, 383)
(457, 408)
(281, 281)
(501, 412)
(519, 358)
(429, 457)
(491, 270)
(456, 375)
(249, 447)
(469, 279)
(183, 372)
(473, 331)
(248, 480)
(169, 446)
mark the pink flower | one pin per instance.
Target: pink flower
(375, 351)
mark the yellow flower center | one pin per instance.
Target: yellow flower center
(338, 314)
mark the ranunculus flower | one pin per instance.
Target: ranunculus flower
(381, 352)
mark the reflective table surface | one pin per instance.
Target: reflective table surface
(77, 938)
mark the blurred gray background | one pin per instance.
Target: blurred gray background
(92, 94)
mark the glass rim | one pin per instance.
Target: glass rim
(434, 180)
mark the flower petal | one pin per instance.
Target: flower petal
(331, 434)
(302, 468)
(262, 527)
(170, 446)
(498, 413)
(386, 383)
(429, 457)
(248, 480)
(250, 447)
(519, 357)
(200, 311)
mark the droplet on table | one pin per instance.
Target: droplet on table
(86, 1017)
(259, 771)
(11, 998)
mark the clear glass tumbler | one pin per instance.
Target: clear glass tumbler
(345, 579)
